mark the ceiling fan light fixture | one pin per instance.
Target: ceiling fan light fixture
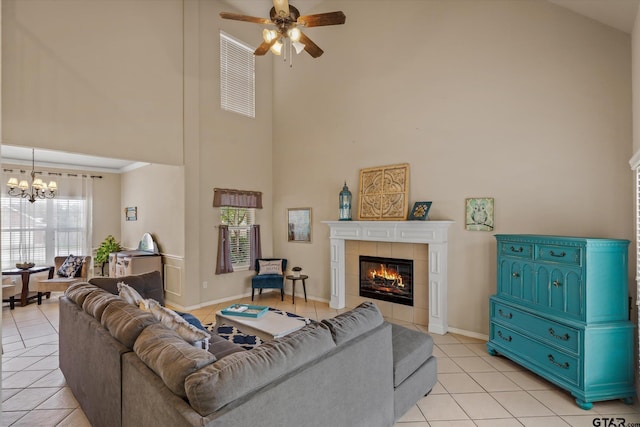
(299, 47)
(268, 35)
(276, 49)
(294, 34)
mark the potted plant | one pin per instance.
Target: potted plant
(296, 271)
(109, 245)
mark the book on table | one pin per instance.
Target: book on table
(245, 310)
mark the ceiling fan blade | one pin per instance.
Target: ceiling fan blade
(321, 19)
(244, 18)
(311, 48)
(265, 46)
(282, 7)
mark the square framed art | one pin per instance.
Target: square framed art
(479, 214)
(420, 211)
(383, 193)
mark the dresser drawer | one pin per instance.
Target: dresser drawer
(543, 329)
(561, 254)
(516, 249)
(537, 354)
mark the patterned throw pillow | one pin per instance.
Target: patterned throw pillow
(71, 266)
(270, 267)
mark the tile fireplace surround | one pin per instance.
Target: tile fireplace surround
(432, 233)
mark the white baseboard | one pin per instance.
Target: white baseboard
(468, 333)
(232, 298)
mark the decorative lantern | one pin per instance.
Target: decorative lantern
(345, 203)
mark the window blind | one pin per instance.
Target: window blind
(237, 76)
(239, 221)
(37, 232)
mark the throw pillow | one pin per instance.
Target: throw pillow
(194, 336)
(192, 320)
(129, 294)
(71, 266)
(270, 267)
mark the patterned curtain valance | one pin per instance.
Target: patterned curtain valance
(237, 198)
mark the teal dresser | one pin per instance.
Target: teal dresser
(561, 311)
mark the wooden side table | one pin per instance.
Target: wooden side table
(25, 275)
(293, 279)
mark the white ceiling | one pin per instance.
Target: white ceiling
(62, 160)
(619, 14)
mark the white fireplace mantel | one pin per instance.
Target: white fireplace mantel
(432, 233)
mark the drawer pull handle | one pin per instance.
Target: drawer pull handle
(557, 283)
(506, 316)
(512, 249)
(560, 255)
(564, 365)
(515, 274)
(507, 339)
(564, 337)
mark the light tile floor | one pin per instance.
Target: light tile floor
(474, 389)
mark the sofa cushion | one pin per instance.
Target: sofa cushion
(78, 292)
(96, 302)
(224, 381)
(410, 350)
(128, 294)
(172, 320)
(221, 347)
(353, 323)
(149, 285)
(125, 322)
(169, 356)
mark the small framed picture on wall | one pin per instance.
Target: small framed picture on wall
(479, 214)
(131, 213)
(299, 225)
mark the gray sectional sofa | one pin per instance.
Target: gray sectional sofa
(125, 368)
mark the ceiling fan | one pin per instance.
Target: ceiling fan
(286, 19)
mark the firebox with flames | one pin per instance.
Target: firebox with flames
(387, 279)
(386, 276)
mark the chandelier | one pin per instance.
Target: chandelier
(38, 188)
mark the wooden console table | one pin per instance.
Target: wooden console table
(25, 275)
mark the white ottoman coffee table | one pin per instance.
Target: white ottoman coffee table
(268, 327)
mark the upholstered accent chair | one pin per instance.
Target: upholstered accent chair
(60, 283)
(269, 275)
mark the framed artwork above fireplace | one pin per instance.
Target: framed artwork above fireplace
(383, 193)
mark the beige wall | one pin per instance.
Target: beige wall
(225, 149)
(157, 191)
(522, 101)
(96, 77)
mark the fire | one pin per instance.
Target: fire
(387, 274)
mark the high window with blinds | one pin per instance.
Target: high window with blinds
(239, 221)
(237, 76)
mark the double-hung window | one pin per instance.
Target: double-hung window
(239, 221)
